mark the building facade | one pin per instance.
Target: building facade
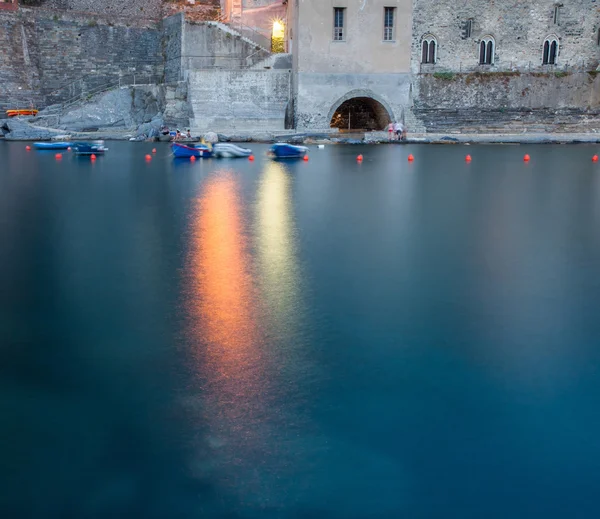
(509, 35)
(350, 58)
(391, 57)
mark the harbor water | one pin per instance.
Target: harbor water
(323, 339)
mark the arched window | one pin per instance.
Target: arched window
(429, 49)
(487, 49)
(551, 47)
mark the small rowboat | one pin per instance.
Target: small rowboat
(181, 151)
(282, 150)
(16, 113)
(230, 151)
(52, 145)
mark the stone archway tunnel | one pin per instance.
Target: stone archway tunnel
(361, 113)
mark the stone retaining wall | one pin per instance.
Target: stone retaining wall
(54, 57)
(239, 99)
(507, 102)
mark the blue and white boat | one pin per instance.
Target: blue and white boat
(282, 150)
(52, 145)
(181, 151)
(88, 148)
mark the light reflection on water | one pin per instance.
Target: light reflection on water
(275, 234)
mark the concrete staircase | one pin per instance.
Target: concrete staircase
(246, 37)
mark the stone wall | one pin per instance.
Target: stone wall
(173, 28)
(508, 101)
(130, 9)
(91, 53)
(226, 100)
(319, 95)
(61, 56)
(19, 77)
(519, 28)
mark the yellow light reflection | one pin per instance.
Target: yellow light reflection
(275, 231)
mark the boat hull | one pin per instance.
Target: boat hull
(230, 151)
(181, 151)
(17, 113)
(88, 148)
(287, 151)
(52, 145)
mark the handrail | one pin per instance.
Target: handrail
(109, 86)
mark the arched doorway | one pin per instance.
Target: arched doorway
(360, 113)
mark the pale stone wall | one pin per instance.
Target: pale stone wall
(225, 100)
(363, 51)
(320, 95)
(519, 28)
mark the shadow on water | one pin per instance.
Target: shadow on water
(90, 423)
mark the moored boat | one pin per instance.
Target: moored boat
(16, 113)
(228, 150)
(88, 148)
(52, 145)
(185, 152)
(282, 150)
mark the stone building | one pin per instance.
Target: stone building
(443, 62)
(468, 35)
(351, 62)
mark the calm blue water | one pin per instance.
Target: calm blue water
(320, 339)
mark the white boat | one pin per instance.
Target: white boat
(228, 150)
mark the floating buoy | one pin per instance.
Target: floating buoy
(58, 156)
(468, 158)
(411, 158)
(595, 158)
(148, 157)
(321, 146)
(28, 148)
(92, 157)
(69, 148)
(526, 158)
(251, 158)
(359, 158)
(305, 158)
(153, 150)
(193, 158)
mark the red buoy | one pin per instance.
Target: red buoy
(251, 158)
(193, 158)
(92, 157)
(526, 158)
(148, 157)
(468, 158)
(153, 150)
(411, 158)
(595, 158)
(28, 148)
(58, 156)
(359, 158)
(305, 158)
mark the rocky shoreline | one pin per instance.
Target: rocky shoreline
(21, 129)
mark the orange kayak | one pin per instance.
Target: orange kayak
(15, 113)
